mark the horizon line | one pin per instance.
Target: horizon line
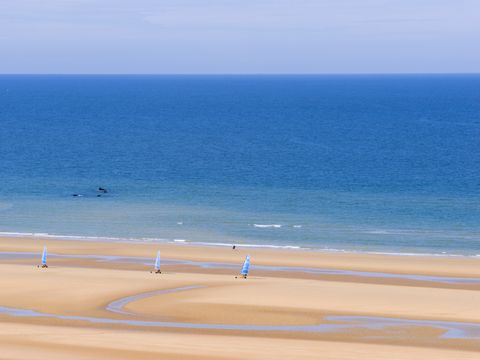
(243, 74)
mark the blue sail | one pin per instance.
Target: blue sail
(157, 261)
(44, 256)
(246, 266)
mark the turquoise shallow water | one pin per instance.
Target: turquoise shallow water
(365, 163)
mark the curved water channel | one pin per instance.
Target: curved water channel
(462, 330)
(452, 330)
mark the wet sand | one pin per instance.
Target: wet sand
(99, 300)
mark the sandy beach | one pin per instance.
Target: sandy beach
(99, 300)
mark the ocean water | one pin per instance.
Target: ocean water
(356, 163)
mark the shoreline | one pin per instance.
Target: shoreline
(446, 266)
(163, 241)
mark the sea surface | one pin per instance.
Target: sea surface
(384, 163)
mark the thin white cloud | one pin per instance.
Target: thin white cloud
(239, 36)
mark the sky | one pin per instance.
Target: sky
(239, 36)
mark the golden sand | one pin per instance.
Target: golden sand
(84, 287)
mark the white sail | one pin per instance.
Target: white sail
(157, 262)
(44, 256)
(246, 266)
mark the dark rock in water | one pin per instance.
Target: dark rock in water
(103, 190)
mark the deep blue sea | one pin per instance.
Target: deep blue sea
(359, 163)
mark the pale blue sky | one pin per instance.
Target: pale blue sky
(233, 36)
